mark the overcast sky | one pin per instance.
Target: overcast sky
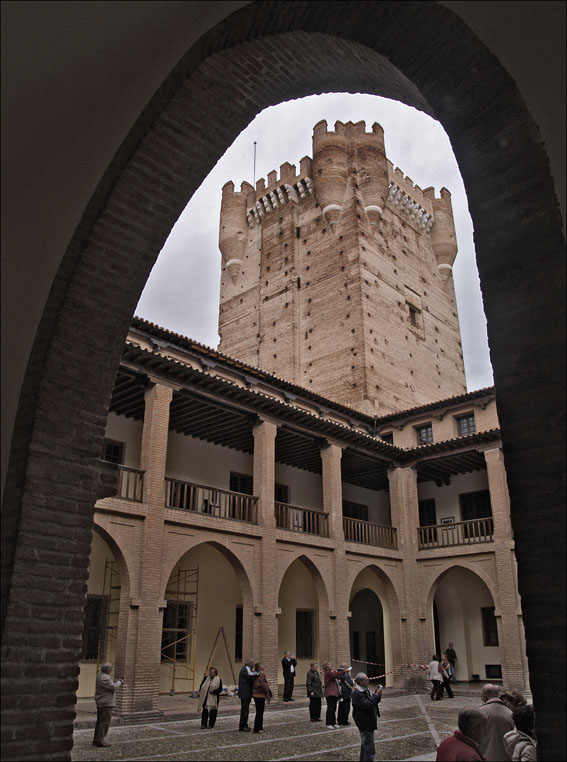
(182, 292)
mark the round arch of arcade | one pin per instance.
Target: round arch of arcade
(288, 50)
(121, 550)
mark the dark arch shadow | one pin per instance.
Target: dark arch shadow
(193, 117)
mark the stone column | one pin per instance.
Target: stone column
(140, 651)
(412, 642)
(331, 454)
(265, 642)
(508, 608)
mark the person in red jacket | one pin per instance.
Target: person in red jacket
(330, 677)
(463, 745)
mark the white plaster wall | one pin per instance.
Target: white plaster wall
(205, 463)
(297, 591)
(378, 502)
(129, 431)
(460, 597)
(305, 487)
(447, 498)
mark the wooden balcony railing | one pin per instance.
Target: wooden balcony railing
(211, 501)
(129, 483)
(370, 534)
(301, 519)
(461, 533)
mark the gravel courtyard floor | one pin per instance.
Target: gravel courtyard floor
(410, 728)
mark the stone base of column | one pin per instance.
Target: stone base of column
(140, 718)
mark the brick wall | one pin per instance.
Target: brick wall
(53, 471)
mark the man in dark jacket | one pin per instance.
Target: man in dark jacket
(365, 713)
(346, 684)
(288, 666)
(246, 679)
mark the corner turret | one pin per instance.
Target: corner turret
(443, 237)
(233, 227)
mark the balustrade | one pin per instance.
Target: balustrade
(298, 519)
(370, 534)
(460, 533)
(129, 483)
(211, 500)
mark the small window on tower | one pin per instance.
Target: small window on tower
(466, 425)
(412, 315)
(424, 434)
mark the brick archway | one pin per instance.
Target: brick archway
(436, 64)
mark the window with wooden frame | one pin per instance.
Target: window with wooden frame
(387, 437)
(424, 434)
(238, 629)
(113, 451)
(281, 493)
(427, 513)
(466, 424)
(242, 483)
(304, 633)
(356, 645)
(489, 626)
(355, 510)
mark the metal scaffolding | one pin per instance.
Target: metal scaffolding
(179, 634)
(109, 614)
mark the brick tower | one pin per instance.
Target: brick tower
(339, 278)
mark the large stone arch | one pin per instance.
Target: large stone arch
(518, 239)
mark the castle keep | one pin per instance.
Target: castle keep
(339, 277)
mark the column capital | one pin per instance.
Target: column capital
(332, 443)
(261, 420)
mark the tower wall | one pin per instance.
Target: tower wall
(344, 277)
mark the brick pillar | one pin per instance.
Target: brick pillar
(266, 624)
(140, 650)
(508, 609)
(331, 454)
(416, 625)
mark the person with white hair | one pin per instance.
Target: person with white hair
(365, 714)
(105, 700)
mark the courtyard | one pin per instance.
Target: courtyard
(410, 728)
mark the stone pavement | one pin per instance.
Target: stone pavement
(410, 728)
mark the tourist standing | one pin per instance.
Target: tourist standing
(346, 685)
(261, 693)
(436, 678)
(446, 675)
(288, 665)
(314, 686)
(500, 721)
(246, 678)
(209, 694)
(452, 656)
(105, 700)
(520, 743)
(365, 714)
(331, 694)
(464, 744)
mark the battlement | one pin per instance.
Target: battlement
(348, 129)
